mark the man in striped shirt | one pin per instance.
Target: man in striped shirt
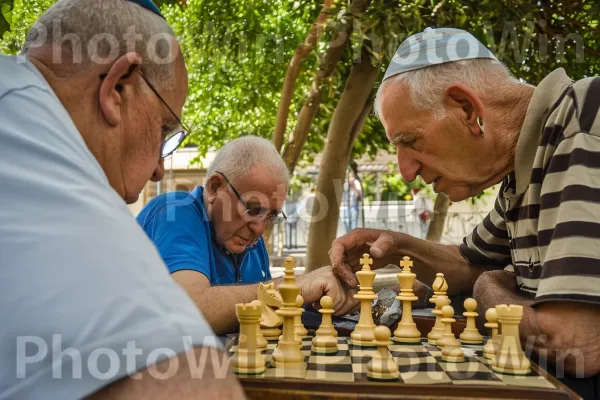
(464, 124)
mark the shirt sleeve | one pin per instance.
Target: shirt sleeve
(86, 298)
(569, 224)
(181, 237)
(489, 244)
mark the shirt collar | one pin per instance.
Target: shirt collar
(541, 104)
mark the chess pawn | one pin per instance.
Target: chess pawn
(491, 347)
(382, 366)
(471, 335)
(298, 325)
(440, 288)
(260, 339)
(325, 342)
(451, 351)
(510, 359)
(248, 359)
(447, 320)
(438, 327)
(364, 332)
(407, 331)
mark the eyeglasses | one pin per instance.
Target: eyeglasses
(257, 213)
(172, 141)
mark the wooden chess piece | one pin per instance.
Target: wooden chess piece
(447, 335)
(260, 339)
(510, 358)
(451, 351)
(364, 332)
(248, 359)
(439, 286)
(325, 342)
(438, 327)
(491, 347)
(287, 356)
(271, 300)
(298, 325)
(382, 366)
(407, 331)
(471, 335)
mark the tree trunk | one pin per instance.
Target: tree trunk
(297, 138)
(348, 119)
(293, 71)
(440, 209)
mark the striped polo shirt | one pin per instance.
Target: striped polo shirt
(546, 220)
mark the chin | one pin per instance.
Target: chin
(458, 194)
(130, 199)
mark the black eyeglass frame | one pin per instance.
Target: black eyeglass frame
(179, 136)
(272, 219)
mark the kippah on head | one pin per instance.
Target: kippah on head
(149, 5)
(436, 46)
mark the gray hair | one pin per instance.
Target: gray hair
(239, 157)
(100, 31)
(426, 86)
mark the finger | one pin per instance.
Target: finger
(382, 245)
(344, 272)
(356, 239)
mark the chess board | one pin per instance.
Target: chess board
(420, 366)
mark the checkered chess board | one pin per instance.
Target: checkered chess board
(419, 364)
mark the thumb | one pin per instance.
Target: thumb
(382, 245)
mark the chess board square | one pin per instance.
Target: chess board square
(414, 367)
(287, 373)
(479, 376)
(419, 348)
(330, 376)
(330, 359)
(536, 381)
(343, 365)
(339, 353)
(425, 378)
(427, 359)
(468, 366)
(362, 352)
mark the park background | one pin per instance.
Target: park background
(304, 73)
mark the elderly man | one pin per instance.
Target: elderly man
(86, 300)
(458, 119)
(211, 238)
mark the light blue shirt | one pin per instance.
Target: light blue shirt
(83, 288)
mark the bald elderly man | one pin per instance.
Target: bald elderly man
(460, 120)
(211, 238)
(86, 299)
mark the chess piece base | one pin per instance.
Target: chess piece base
(471, 337)
(407, 334)
(512, 371)
(383, 376)
(271, 333)
(248, 362)
(324, 345)
(289, 370)
(382, 370)
(363, 343)
(456, 356)
(471, 341)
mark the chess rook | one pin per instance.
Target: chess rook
(260, 339)
(491, 347)
(438, 327)
(510, 358)
(325, 341)
(287, 356)
(364, 332)
(471, 335)
(407, 331)
(248, 359)
(382, 366)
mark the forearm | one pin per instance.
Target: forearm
(431, 258)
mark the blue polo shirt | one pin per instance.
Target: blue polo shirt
(178, 225)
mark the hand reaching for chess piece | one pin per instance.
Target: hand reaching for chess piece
(323, 282)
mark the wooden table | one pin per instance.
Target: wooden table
(268, 388)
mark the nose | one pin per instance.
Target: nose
(159, 172)
(258, 227)
(409, 167)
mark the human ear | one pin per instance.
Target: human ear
(116, 82)
(213, 185)
(470, 108)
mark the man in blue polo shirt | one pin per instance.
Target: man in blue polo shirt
(211, 238)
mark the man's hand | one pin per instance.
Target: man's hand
(323, 282)
(347, 250)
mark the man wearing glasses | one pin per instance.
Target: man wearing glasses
(87, 302)
(211, 238)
